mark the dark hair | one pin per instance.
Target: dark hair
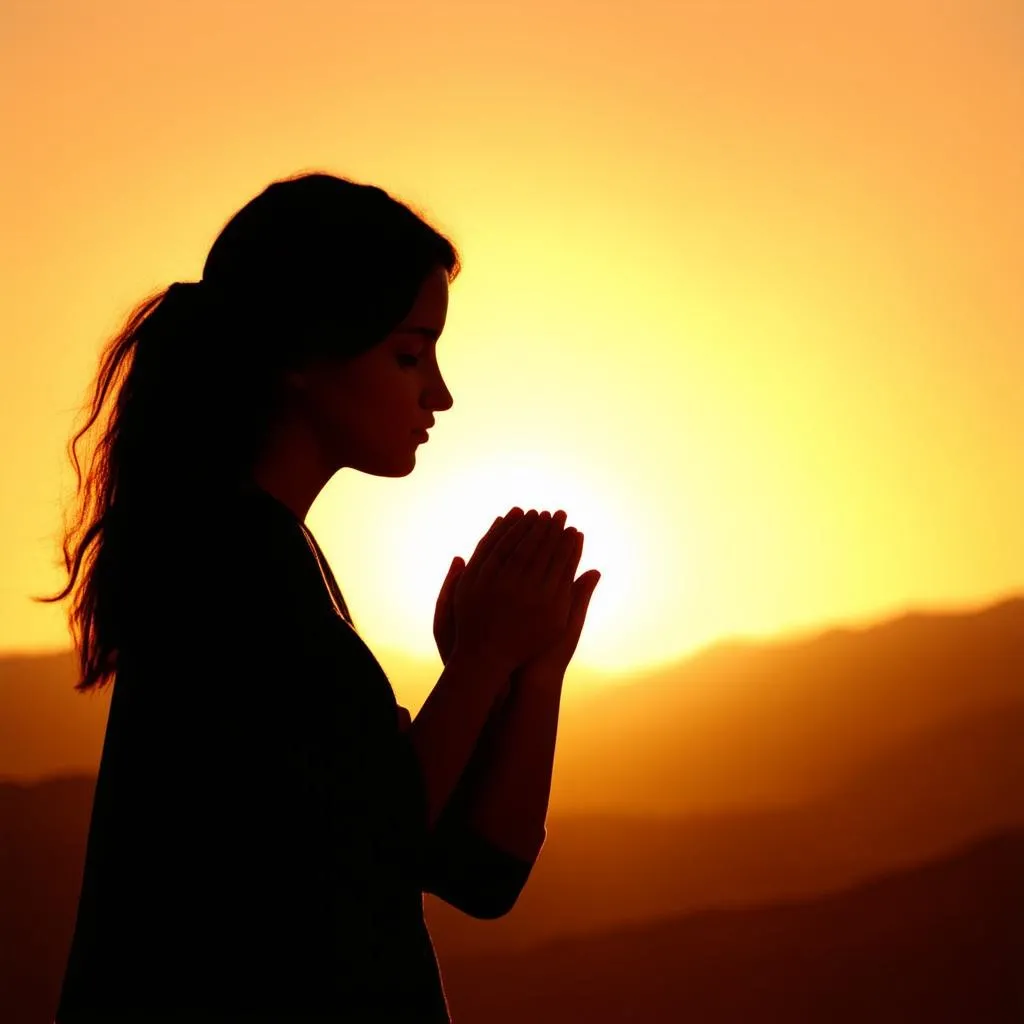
(314, 267)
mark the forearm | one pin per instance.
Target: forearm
(447, 728)
(508, 799)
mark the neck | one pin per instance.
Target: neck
(291, 470)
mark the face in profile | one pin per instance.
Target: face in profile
(365, 413)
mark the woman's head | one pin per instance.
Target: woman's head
(287, 349)
(363, 412)
(303, 286)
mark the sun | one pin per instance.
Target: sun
(452, 518)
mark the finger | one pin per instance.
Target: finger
(554, 520)
(532, 545)
(577, 555)
(564, 537)
(512, 537)
(441, 608)
(488, 541)
(548, 550)
(448, 610)
(562, 567)
(562, 571)
(577, 615)
(458, 571)
(449, 581)
(482, 546)
(547, 542)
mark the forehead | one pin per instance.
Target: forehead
(431, 306)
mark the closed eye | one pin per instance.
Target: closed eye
(409, 360)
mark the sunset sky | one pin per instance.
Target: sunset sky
(741, 288)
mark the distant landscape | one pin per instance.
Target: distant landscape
(940, 943)
(824, 831)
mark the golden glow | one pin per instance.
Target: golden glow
(741, 286)
(458, 509)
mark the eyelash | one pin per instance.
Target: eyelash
(415, 360)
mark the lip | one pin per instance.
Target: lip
(421, 435)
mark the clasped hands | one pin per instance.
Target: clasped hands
(552, 662)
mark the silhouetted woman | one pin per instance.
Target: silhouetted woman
(266, 817)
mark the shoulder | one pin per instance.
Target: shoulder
(242, 552)
(261, 531)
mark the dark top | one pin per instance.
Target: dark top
(258, 848)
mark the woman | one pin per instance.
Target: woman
(266, 817)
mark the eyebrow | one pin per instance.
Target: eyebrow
(426, 332)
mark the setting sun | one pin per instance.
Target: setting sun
(745, 309)
(454, 513)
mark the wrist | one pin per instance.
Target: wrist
(484, 661)
(541, 676)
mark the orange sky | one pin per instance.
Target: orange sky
(741, 287)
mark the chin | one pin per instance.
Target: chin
(392, 468)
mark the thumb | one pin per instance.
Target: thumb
(455, 570)
(582, 592)
(449, 579)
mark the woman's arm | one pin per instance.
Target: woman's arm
(511, 779)
(493, 828)
(446, 731)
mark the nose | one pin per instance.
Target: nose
(444, 401)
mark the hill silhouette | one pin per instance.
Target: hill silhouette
(940, 943)
(596, 871)
(916, 802)
(747, 725)
(43, 828)
(738, 725)
(750, 774)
